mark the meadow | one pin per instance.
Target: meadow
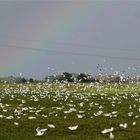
(70, 111)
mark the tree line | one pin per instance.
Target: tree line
(72, 77)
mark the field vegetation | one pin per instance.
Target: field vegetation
(70, 111)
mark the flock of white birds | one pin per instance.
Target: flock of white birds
(81, 104)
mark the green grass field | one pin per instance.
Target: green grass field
(93, 107)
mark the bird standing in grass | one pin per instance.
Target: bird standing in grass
(73, 127)
(111, 136)
(40, 132)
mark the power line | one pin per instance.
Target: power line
(73, 53)
(79, 45)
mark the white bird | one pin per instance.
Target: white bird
(73, 127)
(130, 107)
(51, 126)
(111, 136)
(80, 116)
(134, 123)
(40, 132)
(31, 118)
(123, 125)
(16, 123)
(107, 130)
(9, 117)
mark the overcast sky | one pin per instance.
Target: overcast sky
(46, 37)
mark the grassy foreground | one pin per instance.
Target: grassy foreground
(93, 107)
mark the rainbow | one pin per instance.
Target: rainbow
(51, 22)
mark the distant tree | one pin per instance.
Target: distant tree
(23, 80)
(92, 79)
(31, 80)
(50, 78)
(68, 76)
(115, 79)
(60, 77)
(18, 80)
(82, 77)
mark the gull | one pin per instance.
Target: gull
(9, 117)
(111, 136)
(107, 115)
(73, 127)
(80, 116)
(70, 110)
(4, 110)
(16, 123)
(51, 126)
(23, 101)
(123, 125)
(31, 118)
(107, 130)
(1, 116)
(130, 107)
(134, 123)
(81, 104)
(40, 132)
(19, 112)
(100, 107)
(130, 114)
(136, 116)
(81, 111)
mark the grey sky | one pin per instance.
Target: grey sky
(53, 36)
